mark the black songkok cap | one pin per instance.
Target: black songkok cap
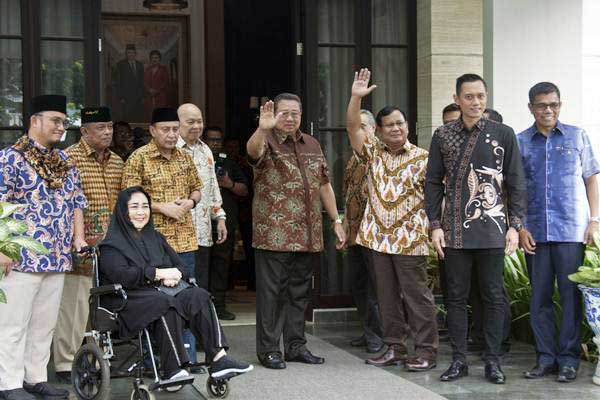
(164, 114)
(95, 114)
(48, 102)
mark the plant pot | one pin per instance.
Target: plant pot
(591, 298)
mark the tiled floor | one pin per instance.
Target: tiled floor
(473, 387)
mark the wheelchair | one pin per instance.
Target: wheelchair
(96, 363)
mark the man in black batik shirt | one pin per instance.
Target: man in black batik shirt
(474, 164)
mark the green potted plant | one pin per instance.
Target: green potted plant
(13, 238)
(588, 278)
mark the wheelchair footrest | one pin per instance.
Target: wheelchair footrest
(184, 380)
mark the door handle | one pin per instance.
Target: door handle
(312, 128)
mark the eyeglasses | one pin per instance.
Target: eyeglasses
(391, 125)
(294, 114)
(543, 106)
(58, 122)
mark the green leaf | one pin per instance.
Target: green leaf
(6, 209)
(30, 244)
(4, 230)
(11, 250)
(2, 296)
(16, 227)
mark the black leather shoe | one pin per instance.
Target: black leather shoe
(46, 391)
(373, 348)
(394, 355)
(272, 361)
(63, 377)
(494, 374)
(566, 374)
(457, 370)
(225, 315)
(16, 394)
(305, 357)
(539, 371)
(359, 341)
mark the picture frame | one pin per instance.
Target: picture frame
(145, 64)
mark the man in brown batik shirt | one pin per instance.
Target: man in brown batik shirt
(291, 180)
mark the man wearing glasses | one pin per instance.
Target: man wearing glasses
(291, 182)
(562, 215)
(40, 177)
(232, 182)
(170, 177)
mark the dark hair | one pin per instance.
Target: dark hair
(215, 128)
(543, 88)
(155, 52)
(287, 96)
(452, 107)
(385, 111)
(468, 78)
(122, 123)
(493, 115)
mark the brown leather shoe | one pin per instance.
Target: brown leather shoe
(418, 364)
(394, 355)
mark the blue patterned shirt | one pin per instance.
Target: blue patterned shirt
(555, 169)
(49, 215)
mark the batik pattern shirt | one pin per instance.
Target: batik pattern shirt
(394, 221)
(211, 204)
(166, 180)
(287, 205)
(50, 213)
(101, 184)
(555, 170)
(479, 173)
(356, 191)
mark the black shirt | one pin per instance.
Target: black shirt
(479, 173)
(230, 200)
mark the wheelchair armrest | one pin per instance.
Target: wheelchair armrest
(116, 288)
(192, 281)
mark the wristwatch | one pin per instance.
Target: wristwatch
(595, 219)
(337, 220)
(517, 227)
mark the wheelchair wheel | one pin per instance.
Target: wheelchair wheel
(217, 388)
(142, 393)
(90, 373)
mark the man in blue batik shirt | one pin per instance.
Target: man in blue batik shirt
(34, 173)
(562, 215)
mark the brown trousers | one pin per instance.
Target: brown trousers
(406, 304)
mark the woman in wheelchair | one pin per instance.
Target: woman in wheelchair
(135, 255)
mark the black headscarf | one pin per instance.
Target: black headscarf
(145, 248)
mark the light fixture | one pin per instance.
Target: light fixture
(165, 5)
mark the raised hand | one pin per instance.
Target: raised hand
(267, 119)
(360, 86)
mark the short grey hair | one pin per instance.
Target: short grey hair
(370, 117)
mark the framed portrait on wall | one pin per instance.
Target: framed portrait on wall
(145, 64)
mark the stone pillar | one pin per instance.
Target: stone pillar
(449, 44)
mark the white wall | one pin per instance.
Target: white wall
(533, 41)
(590, 119)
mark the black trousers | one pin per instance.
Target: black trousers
(167, 331)
(203, 266)
(220, 260)
(282, 293)
(360, 270)
(202, 320)
(490, 265)
(476, 303)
